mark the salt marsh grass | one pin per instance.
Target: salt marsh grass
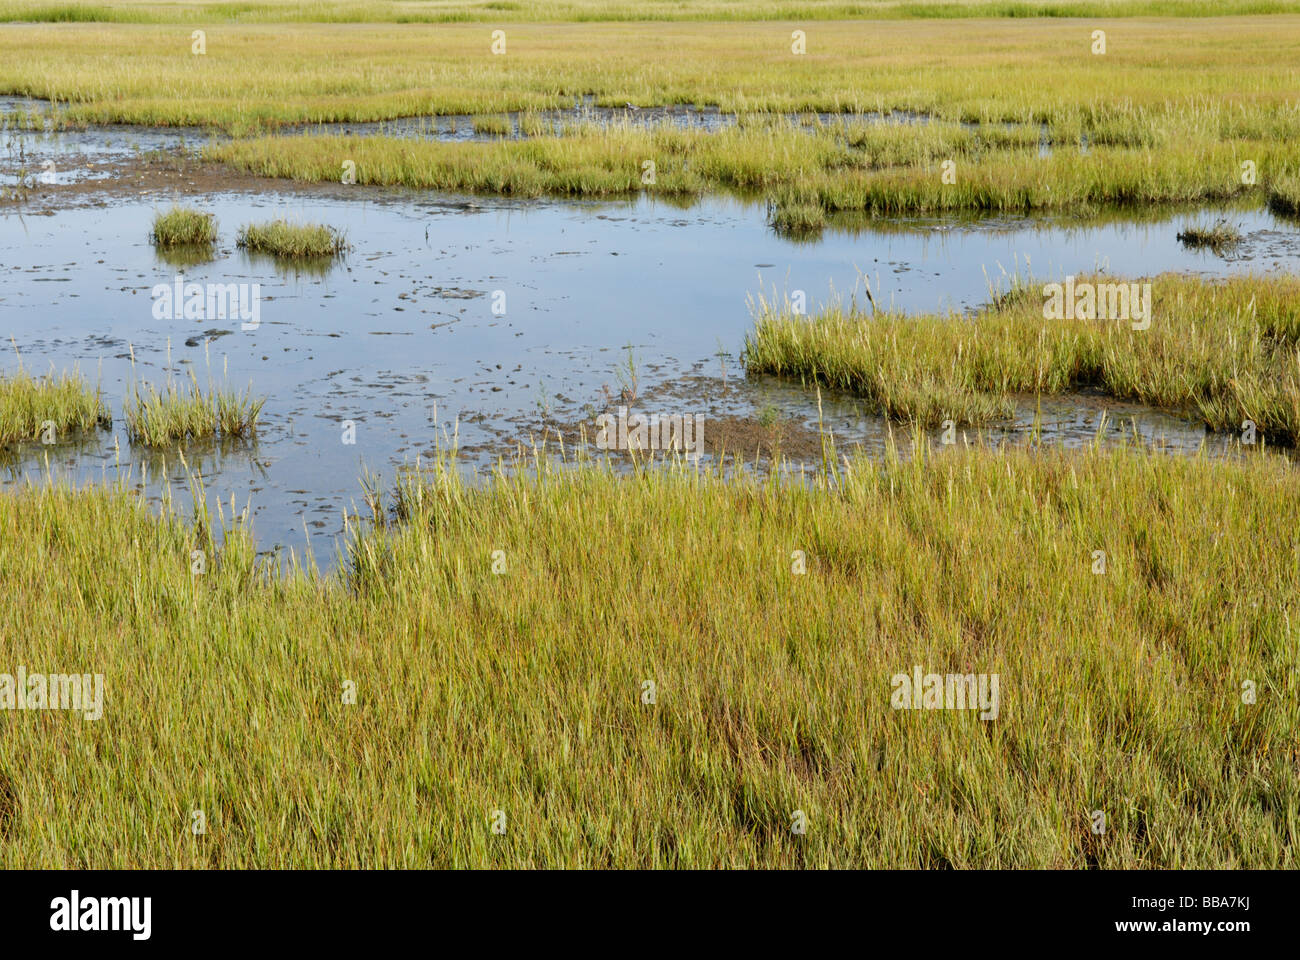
(1023, 181)
(280, 238)
(174, 414)
(842, 167)
(523, 691)
(1161, 119)
(538, 11)
(661, 667)
(1000, 70)
(1219, 237)
(65, 403)
(1227, 351)
(496, 126)
(532, 124)
(1284, 195)
(796, 217)
(183, 227)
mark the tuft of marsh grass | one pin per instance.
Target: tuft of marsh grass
(496, 126)
(1220, 237)
(1229, 351)
(773, 691)
(183, 227)
(281, 238)
(532, 124)
(155, 417)
(796, 217)
(28, 404)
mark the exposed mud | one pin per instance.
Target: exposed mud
(176, 174)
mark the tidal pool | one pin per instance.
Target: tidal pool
(502, 317)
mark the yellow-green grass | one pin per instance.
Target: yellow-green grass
(255, 77)
(1227, 351)
(1023, 181)
(183, 227)
(523, 691)
(280, 238)
(1284, 195)
(532, 124)
(33, 408)
(173, 414)
(535, 11)
(840, 167)
(796, 217)
(497, 126)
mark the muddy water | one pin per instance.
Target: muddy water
(400, 338)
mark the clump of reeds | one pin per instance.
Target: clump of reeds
(173, 413)
(31, 406)
(281, 238)
(183, 227)
(794, 215)
(532, 124)
(1219, 238)
(495, 126)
